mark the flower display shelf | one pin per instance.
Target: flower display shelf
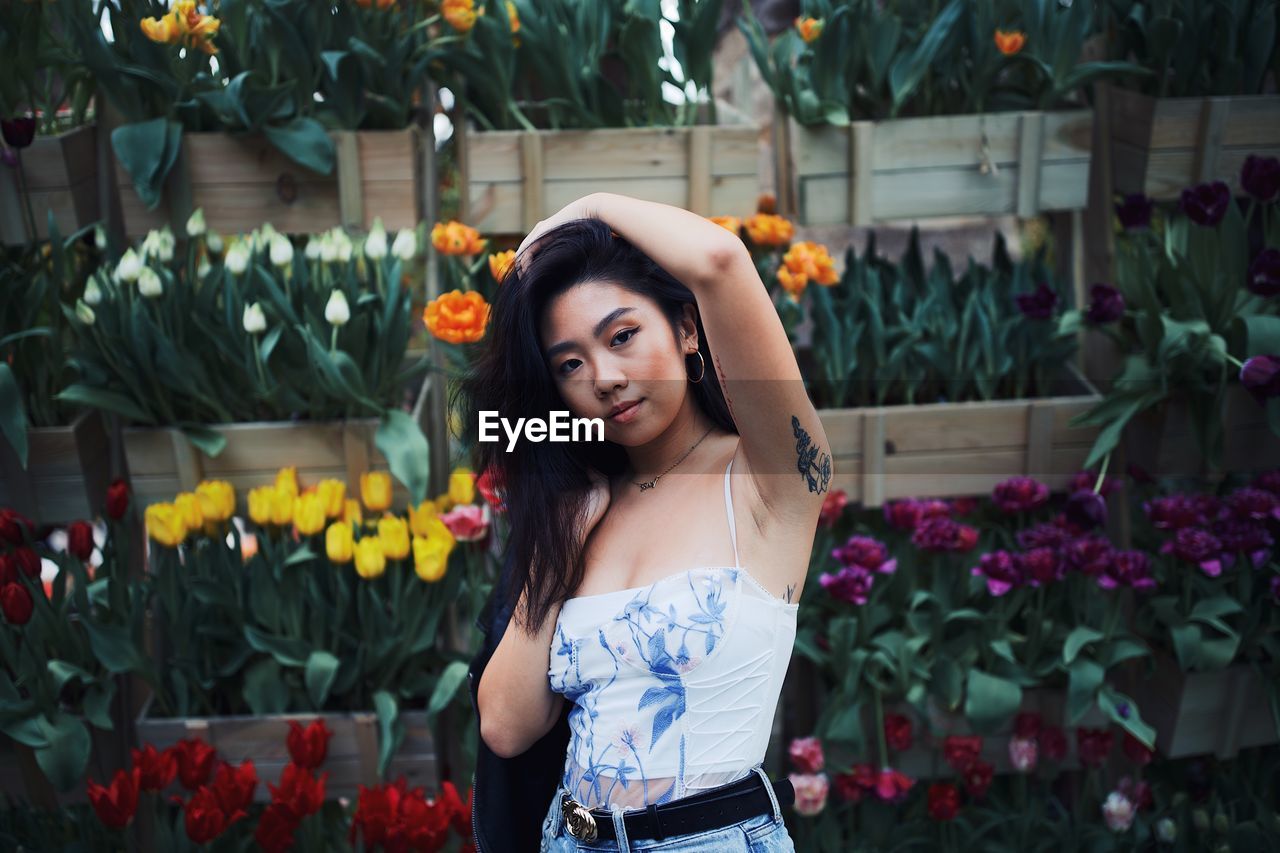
(1163, 441)
(988, 164)
(1202, 713)
(242, 181)
(162, 462)
(884, 453)
(1159, 146)
(58, 174)
(68, 469)
(512, 179)
(351, 758)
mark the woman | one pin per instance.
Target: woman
(656, 573)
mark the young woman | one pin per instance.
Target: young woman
(657, 572)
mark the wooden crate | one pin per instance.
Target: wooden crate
(57, 173)
(242, 182)
(1202, 713)
(1160, 146)
(67, 473)
(914, 168)
(162, 462)
(882, 453)
(351, 759)
(1163, 441)
(512, 179)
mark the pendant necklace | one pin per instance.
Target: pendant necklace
(645, 486)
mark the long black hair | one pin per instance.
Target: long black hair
(546, 485)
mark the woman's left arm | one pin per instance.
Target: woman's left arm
(782, 438)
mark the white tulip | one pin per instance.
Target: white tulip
(129, 267)
(92, 293)
(337, 312)
(149, 283)
(195, 224)
(84, 313)
(213, 242)
(255, 322)
(99, 238)
(405, 246)
(312, 250)
(237, 259)
(342, 247)
(204, 269)
(375, 245)
(159, 244)
(281, 250)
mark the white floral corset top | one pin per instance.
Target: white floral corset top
(674, 685)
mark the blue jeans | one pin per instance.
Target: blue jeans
(764, 833)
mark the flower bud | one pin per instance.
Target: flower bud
(213, 242)
(405, 246)
(337, 312)
(149, 283)
(92, 293)
(130, 266)
(84, 313)
(99, 238)
(195, 224)
(237, 260)
(281, 250)
(342, 247)
(255, 322)
(375, 245)
(1221, 824)
(312, 250)
(204, 268)
(1166, 830)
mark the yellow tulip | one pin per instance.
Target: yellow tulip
(375, 490)
(332, 493)
(165, 30)
(430, 558)
(462, 486)
(394, 534)
(370, 561)
(188, 506)
(164, 524)
(261, 500)
(339, 542)
(444, 503)
(308, 513)
(420, 518)
(351, 512)
(217, 499)
(287, 480)
(282, 506)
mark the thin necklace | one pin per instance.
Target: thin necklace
(651, 483)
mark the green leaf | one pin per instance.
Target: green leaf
(1124, 712)
(305, 141)
(288, 651)
(1216, 607)
(322, 669)
(13, 414)
(107, 401)
(147, 150)
(264, 688)
(990, 700)
(207, 440)
(1084, 677)
(1262, 335)
(114, 648)
(408, 454)
(63, 671)
(66, 757)
(390, 728)
(454, 674)
(97, 705)
(1077, 640)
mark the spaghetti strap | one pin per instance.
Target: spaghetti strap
(728, 508)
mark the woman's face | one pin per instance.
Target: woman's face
(605, 345)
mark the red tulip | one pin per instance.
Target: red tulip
(944, 801)
(158, 768)
(1093, 746)
(1053, 743)
(960, 752)
(16, 604)
(977, 778)
(307, 747)
(897, 732)
(892, 785)
(205, 820)
(117, 499)
(460, 813)
(1136, 751)
(8, 569)
(276, 828)
(1027, 724)
(195, 762)
(300, 790)
(15, 528)
(115, 804)
(854, 785)
(234, 786)
(27, 561)
(80, 540)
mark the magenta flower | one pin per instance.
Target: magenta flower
(1041, 566)
(1086, 509)
(1178, 511)
(1043, 535)
(1268, 481)
(1243, 536)
(1135, 211)
(1090, 555)
(1024, 754)
(1020, 494)
(1106, 304)
(852, 584)
(903, 515)
(1128, 568)
(1260, 376)
(866, 552)
(1198, 546)
(1000, 568)
(1088, 479)
(1038, 305)
(944, 534)
(1260, 177)
(1264, 273)
(811, 792)
(1253, 504)
(806, 754)
(1206, 204)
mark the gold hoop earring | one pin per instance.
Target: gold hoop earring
(704, 367)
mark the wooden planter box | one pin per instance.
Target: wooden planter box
(914, 168)
(1163, 440)
(242, 182)
(58, 173)
(945, 449)
(162, 462)
(351, 760)
(512, 179)
(1160, 146)
(1202, 713)
(67, 473)
(21, 776)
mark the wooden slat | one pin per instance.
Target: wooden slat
(347, 166)
(699, 200)
(1213, 119)
(874, 458)
(533, 205)
(1030, 150)
(861, 172)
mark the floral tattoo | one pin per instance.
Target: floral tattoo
(812, 463)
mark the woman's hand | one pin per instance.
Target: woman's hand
(582, 208)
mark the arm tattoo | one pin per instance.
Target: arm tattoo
(724, 386)
(791, 589)
(812, 463)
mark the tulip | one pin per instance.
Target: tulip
(405, 246)
(282, 506)
(188, 506)
(1260, 376)
(332, 493)
(1010, 42)
(1260, 177)
(311, 251)
(1118, 812)
(287, 480)
(339, 542)
(457, 317)
(117, 499)
(430, 558)
(19, 132)
(811, 792)
(809, 29)
(281, 251)
(217, 499)
(213, 242)
(308, 747)
(500, 264)
(159, 244)
(370, 561)
(165, 525)
(149, 283)
(375, 245)
(1264, 273)
(351, 512)
(1023, 754)
(393, 531)
(116, 804)
(195, 223)
(460, 14)
(425, 521)
(462, 488)
(336, 310)
(84, 313)
(255, 321)
(261, 499)
(375, 490)
(16, 604)
(237, 259)
(92, 293)
(806, 754)
(130, 266)
(309, 513)
(158, 768)
(1106, 304)
(1206, 204)
(80, 540)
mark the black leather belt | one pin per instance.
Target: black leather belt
(710, 809)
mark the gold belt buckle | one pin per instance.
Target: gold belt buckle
(578, 818)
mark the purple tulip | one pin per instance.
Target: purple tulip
(1135, 211)
(1261, 375)
(1044, 535)
(19, 132)
(1260, 177)
(1199, 546)
(1106, 305)
(1239, 536)
(1000, 568)
(1264, 273)
(1090, 555)
(1206, 204)
(1040, 304)
(1128, 568)
(851, 584)
(1268, 481)
(1086, 509)
(870, 554)
(1020, 494)
(1178, 511)
(1253, 504)
(1041, 566)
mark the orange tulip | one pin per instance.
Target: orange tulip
(165, 30)
(1010, 42)
(729, 223)
(461, 14)
(457, 317)
(454, 238)
(809, 29)
(500, 264)
(766, 229)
